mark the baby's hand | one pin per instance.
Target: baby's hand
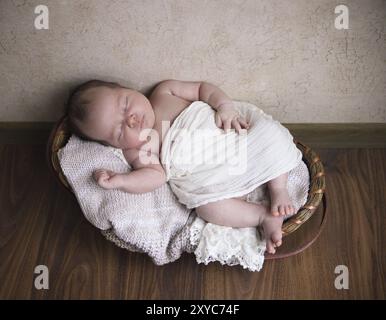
(227, 117)
(107, 179)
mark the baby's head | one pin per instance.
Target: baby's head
(110, 114)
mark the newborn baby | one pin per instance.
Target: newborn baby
(123, 118)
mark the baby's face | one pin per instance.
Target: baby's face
(117, 116)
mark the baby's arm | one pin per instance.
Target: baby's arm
(226, 115)
(143, 178)
(193, 91)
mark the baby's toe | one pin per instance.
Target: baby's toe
(277, 238)
(270, 247)
(282, 210)
(275, 211)
(274, 241)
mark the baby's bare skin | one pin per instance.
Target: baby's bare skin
(126, 119)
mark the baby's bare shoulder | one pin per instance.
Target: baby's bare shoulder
(164, 98)
(167, 101)
(166, 108)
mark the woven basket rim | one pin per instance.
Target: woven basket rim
(60, 135)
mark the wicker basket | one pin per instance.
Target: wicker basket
(60, 135)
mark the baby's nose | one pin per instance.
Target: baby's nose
(132, 121)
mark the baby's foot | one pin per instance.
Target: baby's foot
(272, 232)
(281, 204)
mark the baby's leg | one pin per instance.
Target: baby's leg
(239, 213)
(280, 201)
(233, 212)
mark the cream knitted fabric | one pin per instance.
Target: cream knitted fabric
(149, 222)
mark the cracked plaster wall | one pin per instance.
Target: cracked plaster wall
(285, 56)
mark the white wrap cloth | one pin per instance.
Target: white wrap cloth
(204, 164)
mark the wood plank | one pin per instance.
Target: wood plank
(41, 223)
(340, 135)
(25, 132)
(316, 135)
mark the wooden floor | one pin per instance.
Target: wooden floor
(42, 224)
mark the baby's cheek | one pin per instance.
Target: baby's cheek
(140, 140)
(132, 140)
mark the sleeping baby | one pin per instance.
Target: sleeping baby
(211, 150)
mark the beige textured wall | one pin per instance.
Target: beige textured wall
(285, 56)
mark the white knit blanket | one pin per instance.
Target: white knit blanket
(155, 222)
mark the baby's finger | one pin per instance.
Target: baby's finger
(97, 173)
(106, 184)
(236, 125)
(102, 179)
(218, 120)
(227, 124)
(243, 123)
(110, 173)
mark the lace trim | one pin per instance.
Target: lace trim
(229, 246)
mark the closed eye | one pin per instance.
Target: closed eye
(126, 106)
(124, 112)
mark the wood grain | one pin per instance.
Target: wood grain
(321, 135)
(41, 223)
